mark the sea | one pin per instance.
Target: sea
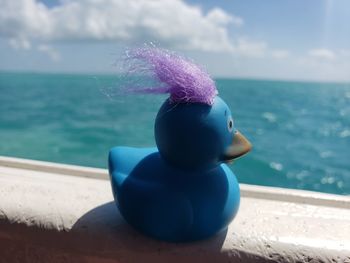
(300, 131)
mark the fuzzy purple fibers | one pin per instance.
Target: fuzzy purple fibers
(170, 73)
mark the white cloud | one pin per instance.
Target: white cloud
(325, 64)
(250, 48)
(50, 51)
(280, 53)
(169, 22)
(219, 17)
(322, 53)
(344, 52)
(20, 43)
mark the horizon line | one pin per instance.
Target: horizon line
(217, 77)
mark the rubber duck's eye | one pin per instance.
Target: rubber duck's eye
(230, 124)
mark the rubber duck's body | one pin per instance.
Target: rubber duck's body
(182, 190)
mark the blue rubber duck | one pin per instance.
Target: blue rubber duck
(182, 190)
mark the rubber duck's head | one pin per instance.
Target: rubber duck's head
(194, 127)
(192, 135)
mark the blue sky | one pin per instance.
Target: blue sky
(298, 40)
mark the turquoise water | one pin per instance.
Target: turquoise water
(300, 131)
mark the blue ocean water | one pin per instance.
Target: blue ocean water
(300, 131)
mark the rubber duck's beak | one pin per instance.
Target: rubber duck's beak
(239, 146)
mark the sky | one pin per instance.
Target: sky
(271, 39)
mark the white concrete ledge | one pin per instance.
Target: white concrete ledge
(63, 213)
(54, 168)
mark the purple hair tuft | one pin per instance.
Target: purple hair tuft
(170, 73)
